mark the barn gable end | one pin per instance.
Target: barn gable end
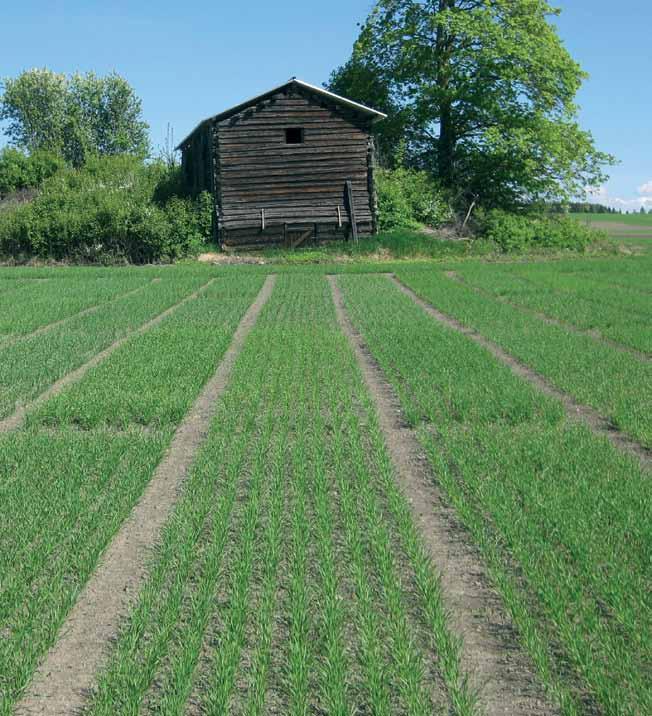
(284, 167)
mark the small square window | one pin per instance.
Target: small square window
(294, 135)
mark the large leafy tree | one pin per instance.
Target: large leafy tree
(490, 91)
(73, 116)
(357, 80)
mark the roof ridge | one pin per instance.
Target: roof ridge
(293, 80)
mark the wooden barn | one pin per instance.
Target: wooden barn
(291, 166)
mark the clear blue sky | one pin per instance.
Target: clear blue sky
(187, 61)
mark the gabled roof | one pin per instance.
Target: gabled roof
(373, 113)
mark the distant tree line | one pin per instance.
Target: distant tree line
(582, 207)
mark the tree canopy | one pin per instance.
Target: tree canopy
(485, 92)
(74, 116)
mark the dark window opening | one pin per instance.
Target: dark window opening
(294, 135)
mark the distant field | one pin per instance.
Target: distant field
(633, 231)
(424, 492)
(627, 219)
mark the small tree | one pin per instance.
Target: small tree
(74, 116)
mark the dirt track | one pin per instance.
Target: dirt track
(499, 671)
(575, 411)
(62, 683)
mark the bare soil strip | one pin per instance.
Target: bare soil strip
(576, 411)
(5, 343)
(14, 421)
(498, 669)
(595, 334)
(613, 227)
(62, 683)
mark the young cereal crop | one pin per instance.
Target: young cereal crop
(28, 367)
(290, 578)
(560, 516)
(107, 460)
(51, 301)
(617, 385)
(619, 314)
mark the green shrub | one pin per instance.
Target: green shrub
(26, 171)
(408, 198)
(518, 232)
(106, 212)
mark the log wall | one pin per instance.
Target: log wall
(197, 159)
(297, 186)
(269, 191)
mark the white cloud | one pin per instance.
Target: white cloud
(600, 195)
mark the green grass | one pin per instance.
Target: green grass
(386, 246)
(631, 219)
(290, 577)
(560, 516)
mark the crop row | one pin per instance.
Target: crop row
(588, 287)
(8, 286)
(617, 385)
(619, 314)
(560, 516)
(29, 366)
(290, 578)
(23, 311)
(631, 273)
(52, 530)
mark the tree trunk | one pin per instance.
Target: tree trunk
(447, 139)
(446, 147)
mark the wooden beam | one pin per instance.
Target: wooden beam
(348, 192)
(301, 238)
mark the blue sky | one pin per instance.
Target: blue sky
(189, 61)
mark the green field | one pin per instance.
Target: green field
(632, 231)
(295, 574)
(628, 219)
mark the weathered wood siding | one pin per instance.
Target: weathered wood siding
(297, 185)
(197, 160)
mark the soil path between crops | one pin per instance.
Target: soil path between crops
(499, 671)
(11, 340)
(16, 419)
(594, 334)
(598, 423)
(64, 680)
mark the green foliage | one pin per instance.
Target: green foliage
(26, 171)
(74, 117)
(358, 81)
(490, 92)
(517, 232)
(408, 198)
(106, 212)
